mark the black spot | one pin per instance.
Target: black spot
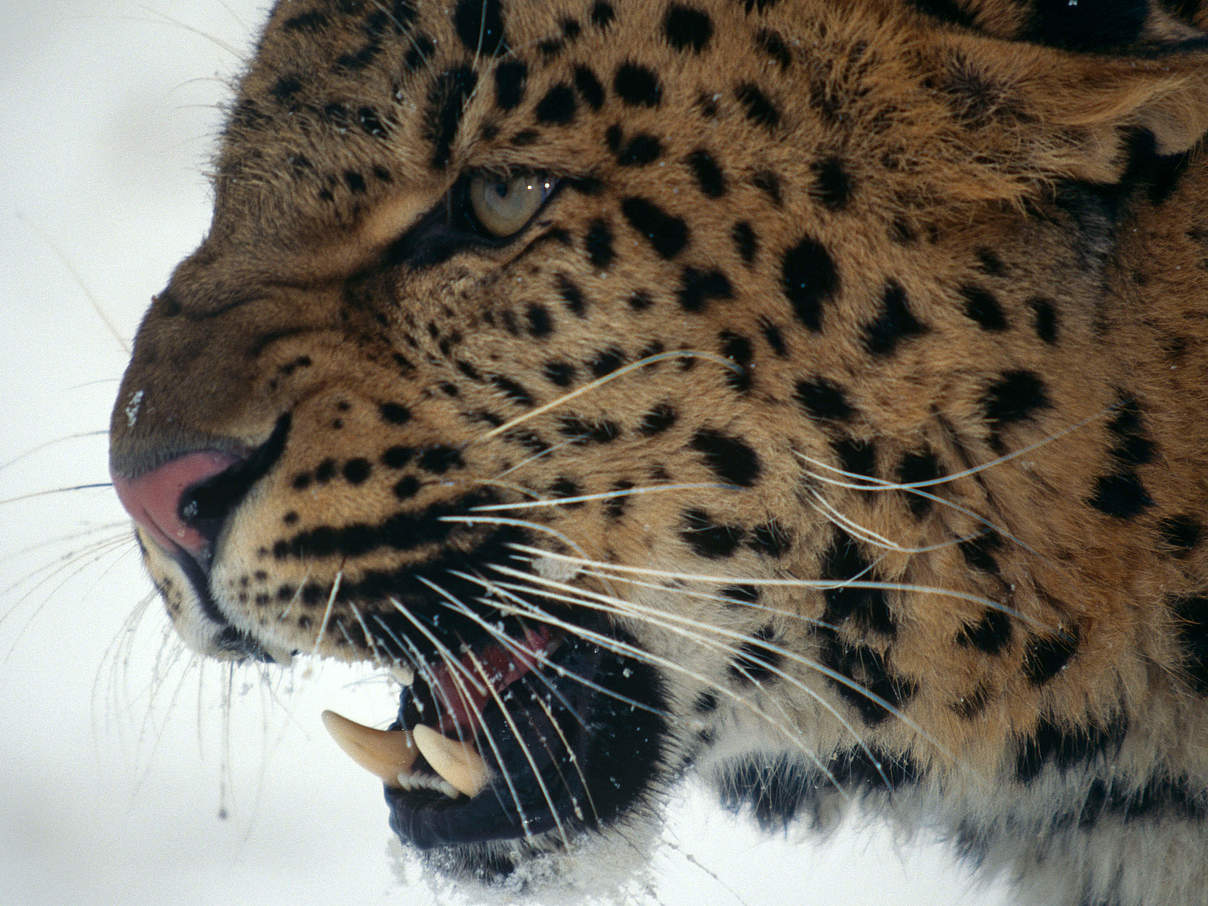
(846, 566)
(868, 672)
(832, 183)
(708, 174)
(978, 552)
(991, 634)
(758, 6)
(1132, 445)
(773, 337)
(479, 25)
(894, 324)
(971, 704)
(640, 150)
(709, 538)
(589, 87)
(666, 233)
(602, 14)
(707, 104)
(772, 44)
(394, 413)
(1066, 746)
(540, 322)
(560, 373)
(397, 457)
(512, 390)
(758, 106)
(823, 400)
(558, 105)
(737, 349)
(744, 594)
(563, 488)
(570, 295)
(658, 420)
(606, 361)
(1121, 495)
(687, 28)
(420, 52)
(1191, 614)
(1014, 397)
(745, 241)
(588, 432)
(982, 307)
(770, 539)
(356, 471)
(1181, 533)
(808, 279)
(732, 459)
(639, 300)
(355, 182)
(313, 22)
(859, 457)
(637, 86)
(285, 88)
(355, 62)
(406, 487)
(1044, 319)
(1045, 657)
(697, 288)
(1087, 26)
(614, 507)
(439, 459)
(767, 182)
(946, 11)
(446, 103)
(918, 467)
(325, 471)
(754, 663)
(598, 243)
(705, 703)
(301, 481)
(511, 77)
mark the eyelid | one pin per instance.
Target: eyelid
(444, 229)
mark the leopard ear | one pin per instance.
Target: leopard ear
(1072, 114)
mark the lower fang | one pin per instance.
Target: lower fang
(388, 754)
(405, 675)
(456, 761)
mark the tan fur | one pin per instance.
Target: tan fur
(960, 147)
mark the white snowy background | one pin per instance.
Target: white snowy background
(118, 756)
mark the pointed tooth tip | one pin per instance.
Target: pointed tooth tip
(383, 753)
(458, 762)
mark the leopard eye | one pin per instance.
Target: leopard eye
(503, 206)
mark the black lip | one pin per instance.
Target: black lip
(613, 750)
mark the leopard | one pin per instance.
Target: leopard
(805, 396)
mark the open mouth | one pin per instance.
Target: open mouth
(535, 740)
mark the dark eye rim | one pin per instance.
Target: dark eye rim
(450, 227)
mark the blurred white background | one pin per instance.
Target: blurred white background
(119, 758)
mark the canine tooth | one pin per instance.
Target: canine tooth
(458, 762)
(389, 754)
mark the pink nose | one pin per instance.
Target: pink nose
(153, 500)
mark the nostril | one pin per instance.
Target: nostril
(162, 503)
(184, 503)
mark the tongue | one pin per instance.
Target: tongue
(461, 695)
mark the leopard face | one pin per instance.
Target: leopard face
(805, 393)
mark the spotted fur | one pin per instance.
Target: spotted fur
(849, 387)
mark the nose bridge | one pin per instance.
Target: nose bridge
(211, 367)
